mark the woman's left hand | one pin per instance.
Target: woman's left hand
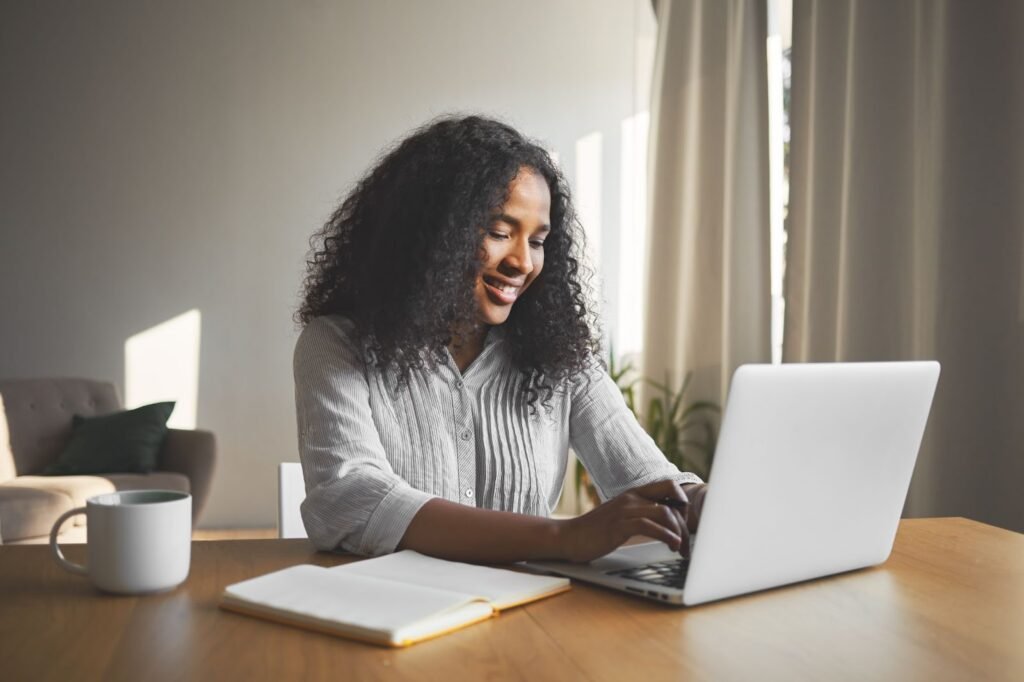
(695, 492)
(686, 502)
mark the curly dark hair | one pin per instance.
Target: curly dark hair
(400, 255)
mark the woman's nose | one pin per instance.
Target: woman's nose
(519, 256)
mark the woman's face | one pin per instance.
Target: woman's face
(514, 247)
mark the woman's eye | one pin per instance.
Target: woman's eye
(537, 244)
(498, 235)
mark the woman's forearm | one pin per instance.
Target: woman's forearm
(659, 511)
(460, 533)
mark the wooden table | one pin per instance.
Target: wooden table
(948, 605)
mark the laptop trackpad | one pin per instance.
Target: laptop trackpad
(627, 557)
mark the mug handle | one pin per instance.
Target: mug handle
(78, 569)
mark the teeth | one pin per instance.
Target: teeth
(503, 288)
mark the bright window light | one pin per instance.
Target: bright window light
(779, 36)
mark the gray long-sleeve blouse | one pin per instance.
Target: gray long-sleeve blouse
(373, 451)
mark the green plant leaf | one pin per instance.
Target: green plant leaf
(701, 405)
(655, 419)
(684, 432)
(678, 400)
(630, 399)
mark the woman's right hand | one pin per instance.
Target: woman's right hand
(640, 511)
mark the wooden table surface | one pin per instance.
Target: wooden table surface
(948, 605)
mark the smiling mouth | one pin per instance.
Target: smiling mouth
(501, 292)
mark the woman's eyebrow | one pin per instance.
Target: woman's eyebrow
(517, 224)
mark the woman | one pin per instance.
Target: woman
(448, 360)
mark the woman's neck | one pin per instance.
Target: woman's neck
(467, 344)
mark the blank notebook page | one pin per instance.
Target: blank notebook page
(501, 587)
(369, 605)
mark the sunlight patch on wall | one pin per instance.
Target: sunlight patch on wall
(162, 363)
(588, 193)
(629, 330)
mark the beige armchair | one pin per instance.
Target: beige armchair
(35, 425)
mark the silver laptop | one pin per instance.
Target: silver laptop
(810, 475)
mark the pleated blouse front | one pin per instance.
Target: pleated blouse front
(374, 451)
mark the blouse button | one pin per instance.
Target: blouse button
(469, 492)
(459, 384)
(466, 435)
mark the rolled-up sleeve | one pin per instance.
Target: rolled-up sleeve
(354, 499)
(615, 449)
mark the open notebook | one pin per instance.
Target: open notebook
(394, 600)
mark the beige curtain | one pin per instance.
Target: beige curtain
(708, 291)
(906, 223)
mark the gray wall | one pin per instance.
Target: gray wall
(165, 156)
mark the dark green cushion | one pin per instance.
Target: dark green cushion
(123, 442)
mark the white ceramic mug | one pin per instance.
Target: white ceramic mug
(138, 541)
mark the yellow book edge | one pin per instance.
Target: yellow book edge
(536, 597)
(332, 628)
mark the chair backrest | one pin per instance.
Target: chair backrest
(291, 491)
(38, 415)
(7, 468)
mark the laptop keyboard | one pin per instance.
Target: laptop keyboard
(671, 573)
